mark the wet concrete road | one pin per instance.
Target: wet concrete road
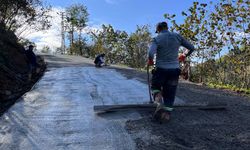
(58, 112)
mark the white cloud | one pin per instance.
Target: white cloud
(91, 28)
(113, 1)
(110, 1)
(52, 36)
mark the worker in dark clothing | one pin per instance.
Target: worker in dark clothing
(31, 58)
(99, 60)
(165, 78)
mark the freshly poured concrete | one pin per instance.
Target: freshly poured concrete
(58, 112)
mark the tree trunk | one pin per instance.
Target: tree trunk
(201, 70)
(72, 40)
(80, 43)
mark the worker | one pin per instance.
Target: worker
(166, 75)
(32, 61)
(31, 58)
(99, 60)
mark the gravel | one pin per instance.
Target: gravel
(192, 128)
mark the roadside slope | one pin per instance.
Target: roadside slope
(16, 77)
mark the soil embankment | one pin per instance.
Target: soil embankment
(15, 75)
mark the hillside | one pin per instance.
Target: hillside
(15, 75)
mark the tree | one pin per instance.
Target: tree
(25, 42)
(77, 17)
(79, 48)
(232, 23)
(196, 29)
(122, 48)
(224, 27)
(15, 14)
(97, 47)
(137, 47)
(111, 42)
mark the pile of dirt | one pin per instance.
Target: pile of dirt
(15, 75)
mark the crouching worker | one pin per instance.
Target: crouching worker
(165, 78)
(99, 60)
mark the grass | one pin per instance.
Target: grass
(229, 87)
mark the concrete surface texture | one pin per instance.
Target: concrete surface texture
(58, 112)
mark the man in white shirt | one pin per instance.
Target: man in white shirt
(165, 78)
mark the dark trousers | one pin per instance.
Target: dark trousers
(166, 81)
(98, 64)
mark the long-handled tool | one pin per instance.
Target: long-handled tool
(152, 107)
(149, 87)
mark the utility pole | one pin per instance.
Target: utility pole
(62, 33)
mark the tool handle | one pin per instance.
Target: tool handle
(149, 87)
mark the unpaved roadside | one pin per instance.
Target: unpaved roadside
(192, 128)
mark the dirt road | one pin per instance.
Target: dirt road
(192, 129)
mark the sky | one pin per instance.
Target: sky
(126, 14)
(121, 14)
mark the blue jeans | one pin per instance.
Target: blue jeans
(166, 81)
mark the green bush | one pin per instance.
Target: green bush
(229, 87)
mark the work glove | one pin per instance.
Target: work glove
(153, 71)
(150, 62)
(182, 58)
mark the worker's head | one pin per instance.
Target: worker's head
(161, 26)
(102, 54)
(31, 47)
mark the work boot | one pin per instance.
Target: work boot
(162, 114)
(158, 99)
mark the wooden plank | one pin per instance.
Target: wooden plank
(108, 108)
